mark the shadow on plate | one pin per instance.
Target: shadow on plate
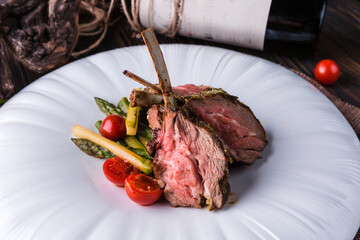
(244, 178)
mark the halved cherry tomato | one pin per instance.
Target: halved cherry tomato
(142, 189)
(117, 170)
(113, 127)
(327, 72)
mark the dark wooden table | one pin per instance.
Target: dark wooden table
(339, 40)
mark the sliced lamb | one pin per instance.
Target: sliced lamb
(190, 163)
(234, 123)
(189, 90)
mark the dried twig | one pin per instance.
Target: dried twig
(96, 25)
(99, 24)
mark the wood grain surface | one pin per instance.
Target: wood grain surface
(339, 40)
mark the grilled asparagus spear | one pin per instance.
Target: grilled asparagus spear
(92, 148)
(108, 108)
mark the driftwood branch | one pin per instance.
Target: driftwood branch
(6, 85)
(42, 35)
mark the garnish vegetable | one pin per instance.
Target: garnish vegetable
(327, 72)
(142, 189)
(143, 164)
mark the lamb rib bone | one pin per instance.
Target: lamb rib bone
(141, 98)
(142, 81)
(160, 67)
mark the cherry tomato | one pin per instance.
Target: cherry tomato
(142, 189)
(327, 72)
(113, 127)
(117, 170)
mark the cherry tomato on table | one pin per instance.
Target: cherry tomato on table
(327, 72)
(117, 170)
(142, 189)
(113, 127)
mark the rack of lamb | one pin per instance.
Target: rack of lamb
(197, 132)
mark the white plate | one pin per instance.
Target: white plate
(306, 187)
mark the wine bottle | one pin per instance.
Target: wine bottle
(295, 23)
(256, 24)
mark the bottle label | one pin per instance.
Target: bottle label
(235, 22)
